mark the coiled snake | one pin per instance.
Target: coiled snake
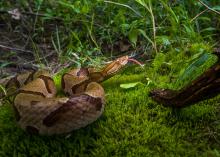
(38, 110)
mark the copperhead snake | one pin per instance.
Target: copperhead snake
(38, 110)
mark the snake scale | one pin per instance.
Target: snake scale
(39, 111)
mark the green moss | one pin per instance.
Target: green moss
(131, 125)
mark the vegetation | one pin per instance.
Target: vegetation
(83, 31)
(173, 38)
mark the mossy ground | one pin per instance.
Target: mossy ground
(131, 125)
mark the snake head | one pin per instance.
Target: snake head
(115, 66)
(111, 69)
(122, 61)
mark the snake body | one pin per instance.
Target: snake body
(38, 110)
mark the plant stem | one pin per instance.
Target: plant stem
(209, 7)
(199, 15)
(153, 25)
(124, 5)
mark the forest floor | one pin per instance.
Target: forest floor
(132, 125)
(174, 39)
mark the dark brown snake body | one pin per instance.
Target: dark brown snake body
(39, 110)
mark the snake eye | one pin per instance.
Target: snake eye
(123, 60)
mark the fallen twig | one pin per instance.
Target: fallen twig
(205, 5)
(199, 15)
(207, 8)
(15, 49)
(28, 13)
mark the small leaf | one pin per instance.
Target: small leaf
(205, 19)
(208, 29)
(2, 89)
(164, 40)
(129, 85)
(133, 35)
(149, 81)
(4, 64)
(216, 7)
(194, 69)
(145, 36)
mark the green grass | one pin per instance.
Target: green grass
(131, 125)
(103, 28)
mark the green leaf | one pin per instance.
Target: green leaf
(209, 29)
(3, 90)
(166, 6)
(216, 8)
(133, 35)
(149, 82)
(205, 60)
(4, 64)
(145, 36)
(129, 85)
(164, 40)
(141, 2)
(205, 19)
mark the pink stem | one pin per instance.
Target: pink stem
(135, 61)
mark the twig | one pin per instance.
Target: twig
(30, 13)
(213, 10)
(90, 32)
(199, 15)
(60, 67)
(15, 49)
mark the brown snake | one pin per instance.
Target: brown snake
(39, 111)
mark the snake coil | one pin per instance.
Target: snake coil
(39, 111)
